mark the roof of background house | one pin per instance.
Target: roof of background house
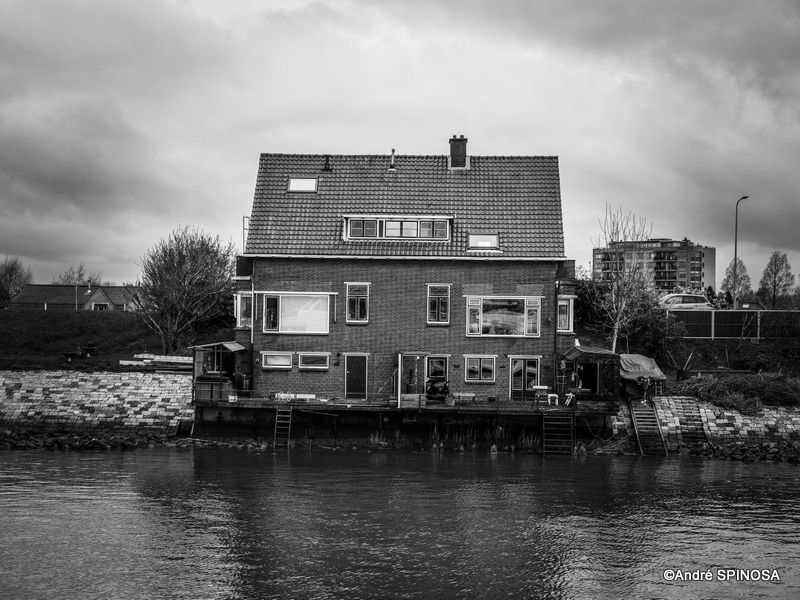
(57, 294)
(516, 196)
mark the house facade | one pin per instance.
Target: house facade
(377, 278)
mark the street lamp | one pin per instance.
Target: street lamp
(735, 253)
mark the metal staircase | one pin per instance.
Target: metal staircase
(647, 428)
(558, 433)
(283, 426)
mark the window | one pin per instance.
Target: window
(276, 360)
(436, 366)
(479, 369)
(484, 241)
(357, 302)
(398, 228)
(363, 228)
(302, 184)
(492, 316)
(99, 305)
(438, 304)
(565, 311)
(524, 374)
(244, 310)
(313, 361)
(296, 313)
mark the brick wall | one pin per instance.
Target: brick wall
(74, 400)
(397, 321)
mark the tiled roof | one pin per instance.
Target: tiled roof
(517, 196)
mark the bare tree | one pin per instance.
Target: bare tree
(13, 277)
(78, 276)
(622, 293)
(777, 279)
(186, 280)
(743, 288)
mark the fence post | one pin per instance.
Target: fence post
(713, 320)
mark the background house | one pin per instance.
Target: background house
(73, 297)
(366, 276)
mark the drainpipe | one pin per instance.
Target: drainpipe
(557, 291)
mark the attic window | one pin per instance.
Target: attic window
(302, 184)
(484, 241)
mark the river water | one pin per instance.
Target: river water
(225, 523)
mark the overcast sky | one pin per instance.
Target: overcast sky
(120, 120)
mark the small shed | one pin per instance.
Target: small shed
(590, 371)
(218, 374)
(642, 375)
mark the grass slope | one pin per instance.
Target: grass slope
(37, 339)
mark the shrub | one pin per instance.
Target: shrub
(746, 392)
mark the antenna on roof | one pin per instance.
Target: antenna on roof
(391, 160)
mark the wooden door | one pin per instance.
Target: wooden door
(355, 383)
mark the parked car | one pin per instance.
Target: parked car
(685, 302)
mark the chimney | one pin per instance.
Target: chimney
(458, 152)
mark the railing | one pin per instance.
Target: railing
(733, 324)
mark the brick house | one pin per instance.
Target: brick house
(367, 277)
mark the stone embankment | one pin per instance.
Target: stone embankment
(78, 402)
(702, 429)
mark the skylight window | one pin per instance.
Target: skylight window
(484, 241)
(302, 184)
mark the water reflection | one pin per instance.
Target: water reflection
(213, 523)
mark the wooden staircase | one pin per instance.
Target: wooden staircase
(558, 433)
(647, 428)
(283, 426)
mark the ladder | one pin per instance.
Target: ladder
(558, 433)
(283, 426)
(647, 429)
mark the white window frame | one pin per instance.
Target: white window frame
(302, 185)
(96, 304)
(407, 224)
(529, 303)
(512, 358)
(302, 355)
(241, 322)
(570, 303)
(266, 353)
(348, 295)
(480, 358)
(483, 241)
(428, 304)
(445, 357)
(280, 296)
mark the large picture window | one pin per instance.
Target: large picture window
(296, 313)
(358, 303)
(494, 316)
(438, 304)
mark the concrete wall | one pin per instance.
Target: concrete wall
(74, 400)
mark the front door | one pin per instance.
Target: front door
(355, 383)
(524, 378)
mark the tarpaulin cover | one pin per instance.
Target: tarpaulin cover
(633, 366)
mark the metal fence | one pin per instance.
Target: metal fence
(732, 324)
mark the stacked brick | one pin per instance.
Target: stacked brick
(79, 401)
